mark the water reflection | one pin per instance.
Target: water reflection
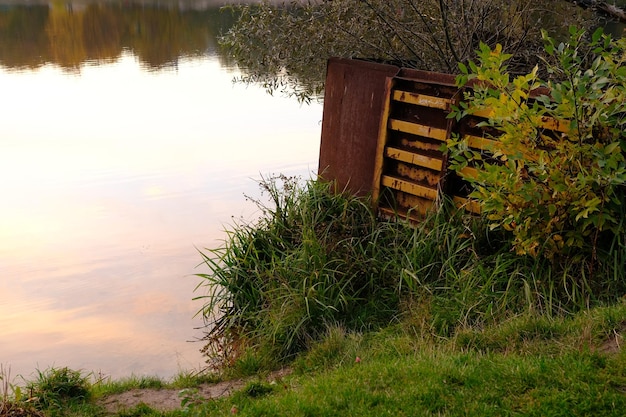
(69, 34)
(115, 164)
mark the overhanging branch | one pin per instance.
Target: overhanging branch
(603, 7)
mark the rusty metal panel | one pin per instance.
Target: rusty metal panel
(353, 101)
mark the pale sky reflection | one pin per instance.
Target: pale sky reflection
(110, 180)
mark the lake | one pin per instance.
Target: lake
(124, 147)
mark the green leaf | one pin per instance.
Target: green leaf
(609, 149)
(597, 35)
(463, 68)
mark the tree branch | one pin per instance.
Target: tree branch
(602, 7)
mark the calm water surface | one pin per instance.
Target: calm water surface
(120, 153)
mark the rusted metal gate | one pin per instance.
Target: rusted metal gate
(383, 131)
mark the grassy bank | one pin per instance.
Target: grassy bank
(378, 317)
(528, 365)
(318, 258)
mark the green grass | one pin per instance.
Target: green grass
(529, 365)
(307, 263)
(379, 317)
(66, 392)
(318, 258)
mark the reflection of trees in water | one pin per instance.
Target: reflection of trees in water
(102, 33)
(23, 40)
(31, 36)
(155, 36)
(65, 33)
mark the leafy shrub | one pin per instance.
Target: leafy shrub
(555, 192)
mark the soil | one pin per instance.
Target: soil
(169, 399)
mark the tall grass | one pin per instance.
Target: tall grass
(307, 263)
(55, 388)
(318, 258)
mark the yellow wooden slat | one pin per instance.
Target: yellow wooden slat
(409, 187)
(547, 122)
(414, 216)
(412, 204)
(491, 145)
(417, 129)
(387, 212)
(555, 125)
(481, 143)
(469, 172)
(470, 205)
(414, 158)
(482, 113)
(421, 100)
(381, 143)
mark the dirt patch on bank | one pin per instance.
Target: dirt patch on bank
(166, 399)
(169, 399)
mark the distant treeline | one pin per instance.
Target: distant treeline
(70, 35)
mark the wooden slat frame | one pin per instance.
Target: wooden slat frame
(421, 100)
(418, 130)
(418, 160)
(382, 143)
(408, 187)
(414, 158)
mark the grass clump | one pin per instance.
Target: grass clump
(108, 387)
(309, 262)
(66, 392)
(318, 260)
(57, 387)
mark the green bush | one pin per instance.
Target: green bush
(557, 193)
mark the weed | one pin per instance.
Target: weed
(257, 389)
(54, 388)
(190, 400)
(11, 404)
(337, 347)
(189, 379)
(140, 410)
